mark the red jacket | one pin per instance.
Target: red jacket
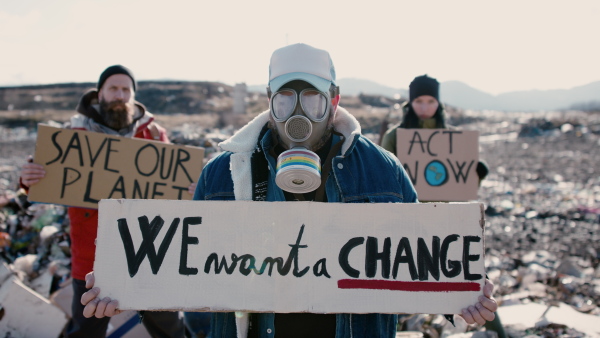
(84, 222)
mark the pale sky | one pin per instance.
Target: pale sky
(494, 46)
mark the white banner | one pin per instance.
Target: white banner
(290, 256)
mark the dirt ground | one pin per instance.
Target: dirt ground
(542, 195)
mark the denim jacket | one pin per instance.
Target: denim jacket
(362, 172)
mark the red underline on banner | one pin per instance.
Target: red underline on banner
(374, 284)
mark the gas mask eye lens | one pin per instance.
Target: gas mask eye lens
(283, 104)
(314, 104)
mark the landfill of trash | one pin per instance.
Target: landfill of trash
(543, 223)
(542, 233)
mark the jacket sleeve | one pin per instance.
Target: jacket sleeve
(23, 186)
(408, 189)
(389, 140)
(200, 187)
(163, 134)
(153, 132)
(215, 181)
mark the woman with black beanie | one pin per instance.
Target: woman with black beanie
(424, 110)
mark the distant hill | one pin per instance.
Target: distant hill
(165, 97)
(352, 86)
(193, 97)
(550, 99)
(459, 94)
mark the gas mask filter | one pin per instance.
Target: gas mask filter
(300, 130)
(298, 171)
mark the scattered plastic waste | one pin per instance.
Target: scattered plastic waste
(542, 207)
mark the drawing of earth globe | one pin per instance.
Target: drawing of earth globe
(436, 173)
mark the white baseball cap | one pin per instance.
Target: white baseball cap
(301, 62)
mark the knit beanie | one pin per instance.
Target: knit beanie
(116, 69)
(424, 85)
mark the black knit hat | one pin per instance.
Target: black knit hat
(424, 85)
(116, 69)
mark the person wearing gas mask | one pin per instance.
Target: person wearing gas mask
(305, 147)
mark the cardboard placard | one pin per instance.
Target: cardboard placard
(25, 313)
(84, 167)
(290, 256)
(441, 163)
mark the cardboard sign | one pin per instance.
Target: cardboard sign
(25, 313)
(441, 163)
(290, 256)
(84, 167)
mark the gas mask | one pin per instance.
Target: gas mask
(301, 119)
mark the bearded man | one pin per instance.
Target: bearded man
(111, 109)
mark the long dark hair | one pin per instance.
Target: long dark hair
(411, 120)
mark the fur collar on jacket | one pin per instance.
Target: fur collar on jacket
(244, 140)
(242, 144)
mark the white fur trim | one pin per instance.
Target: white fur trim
(347, 125)
(241, 175)
(241, 323)
(245, 139)
(242, 144)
